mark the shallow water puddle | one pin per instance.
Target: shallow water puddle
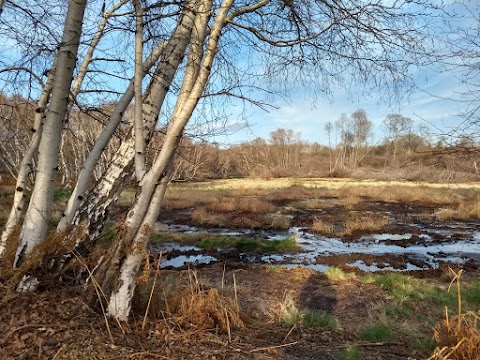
(371, 253)
(183, 260)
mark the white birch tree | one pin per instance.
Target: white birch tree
(35, 226)
(297, 40)
(18, 206)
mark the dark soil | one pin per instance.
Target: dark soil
(62, 323)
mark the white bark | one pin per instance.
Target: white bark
(78, 194)
(184, 107)
(139, 135)
(106, 189)
(145, 211)
(35, 225)
(26, 165)
(120, 300)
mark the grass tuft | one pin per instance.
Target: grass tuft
(243, 204)
(323, 227)
(318, 319)
(364, 223)
(336, 274)
(352, 352)
(458, 337)
(402, 288)
(281, 222)
(469, 209)
(376, 333)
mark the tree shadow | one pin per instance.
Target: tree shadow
(317, 294)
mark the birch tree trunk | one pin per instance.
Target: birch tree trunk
(93, 209)
(139, 135)
(26, 165)
(35, 225)
(122, 268)
(18, 206)
(78, 195)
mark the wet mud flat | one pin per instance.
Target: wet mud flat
(413, 240)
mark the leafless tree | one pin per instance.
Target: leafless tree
(397, 125)
(362, 128)
(328, 129)
(195, 57)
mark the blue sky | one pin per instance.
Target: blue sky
(433, 105)
(301, 112)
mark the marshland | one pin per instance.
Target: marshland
(281, 269)
(158, 199)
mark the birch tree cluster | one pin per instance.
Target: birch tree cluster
(173, 64)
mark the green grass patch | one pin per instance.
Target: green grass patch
(212, 241)
(405, 289)
(108, 233)
(62, 194)
(402, 288)
(5, 194)
(367, 279)
(471, 294)
(376, 333)
(351, 353)
(425, 344)
(309, 318)
(249, 244)
(314, 318)
(397, 310)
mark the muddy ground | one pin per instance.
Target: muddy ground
(413, 240)
(62, 324)
(184, 319)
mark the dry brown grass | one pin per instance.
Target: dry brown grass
(281, 311)
(316, 204)
(303, 189)
(55, 246)
(184, 299)
(251, 205)
(405, 194)
(290, 193)
(323, 227)
(367, 222)
(458, 337)
(280, 221)
(203, 217)
(464, 211)
(352, 223)
(350, 201)
(187, 199)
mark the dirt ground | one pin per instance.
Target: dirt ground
(62, 323)
(185, 316)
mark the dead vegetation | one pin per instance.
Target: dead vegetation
(251, 205)
(352, 224)
(192, 309)
(458, 336)
(466, 210)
